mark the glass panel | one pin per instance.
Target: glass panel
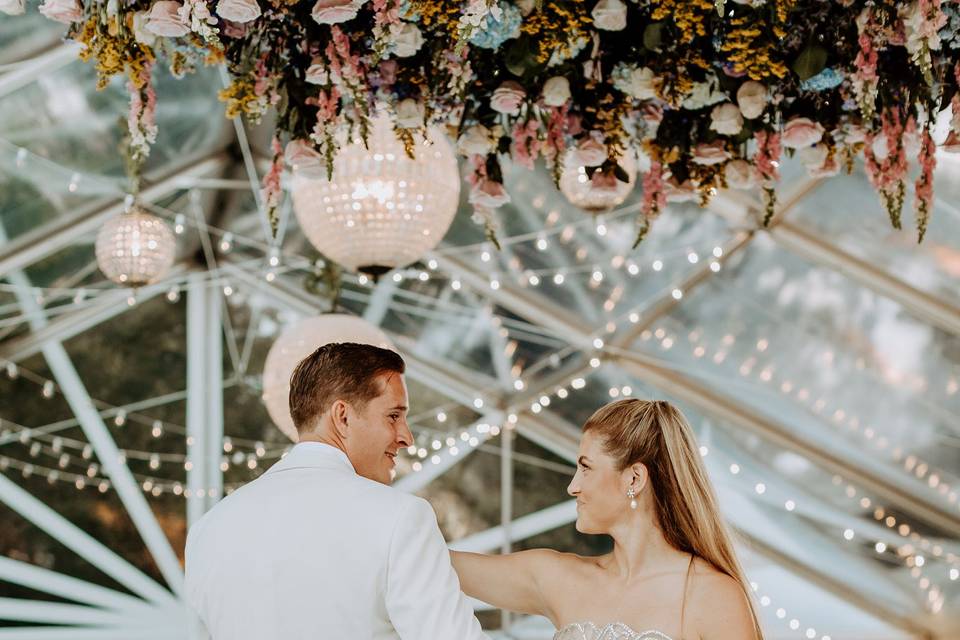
(846, 211)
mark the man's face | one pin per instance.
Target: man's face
(380, 430)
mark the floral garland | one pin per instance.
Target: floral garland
(714, 93)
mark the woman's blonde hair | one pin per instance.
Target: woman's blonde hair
(656, 434)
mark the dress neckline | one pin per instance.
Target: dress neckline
(649, 634)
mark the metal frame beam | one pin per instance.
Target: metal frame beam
(106, 305)
(82, 544)
(204, 396)
(937, 311)
(28, 71)
(99, 437)
(413, 482)
(64, 230)
(929, 308)
(533, 306)
(80, 591)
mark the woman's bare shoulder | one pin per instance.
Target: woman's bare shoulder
(717, 601)
(561, 560)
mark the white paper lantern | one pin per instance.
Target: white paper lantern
(382, 210)
(580, 190)
(135, 248)
(299, 341)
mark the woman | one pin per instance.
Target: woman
(673, 573)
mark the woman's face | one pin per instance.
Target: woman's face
(600, 489)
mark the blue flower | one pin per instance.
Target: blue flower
(826, 79)
(406, 12)
(492, 33)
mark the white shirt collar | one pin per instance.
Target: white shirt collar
(311, 449)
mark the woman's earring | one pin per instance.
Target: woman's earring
(633, 498)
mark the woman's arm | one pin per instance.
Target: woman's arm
(511, 581)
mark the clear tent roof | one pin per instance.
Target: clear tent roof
(817, 361)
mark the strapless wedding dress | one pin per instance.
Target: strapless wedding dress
(612, 631)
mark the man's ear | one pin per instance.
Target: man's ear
(339, 415)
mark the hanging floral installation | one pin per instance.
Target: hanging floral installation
(710, 94)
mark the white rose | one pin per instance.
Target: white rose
(410, 114)
(65, 11)
(609, 15)
(911, 144)
(740, 174)
(140, 32)
(476, 140)
(238, 10)
(726, 120)
(816, 159)
(813, 156)
(703, 95)
(556, 91)
(880, 148)
(590, 153)
(11, 7)
(640, 83)
(317, 74)
(304, 159)
(752, 99)
(406, 39)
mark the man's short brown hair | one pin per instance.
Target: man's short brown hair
(338, 371)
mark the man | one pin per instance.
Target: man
(320, 547)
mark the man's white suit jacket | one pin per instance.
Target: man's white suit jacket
(313, 551)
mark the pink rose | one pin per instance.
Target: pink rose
(801, 132)
(507, 98)
(65, 11)
(590, 152)
(854, 134)
(488, 194)
(604, 181)
(388, 71)
(952, 143)
(233, 29)
(686, 192)
(712, 153)
(336, 11)
(165, 20)
(304, 159)
(238, 10)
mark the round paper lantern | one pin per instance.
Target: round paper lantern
(382, 210)
(135, 248)
(593, 195)
(299, 341)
